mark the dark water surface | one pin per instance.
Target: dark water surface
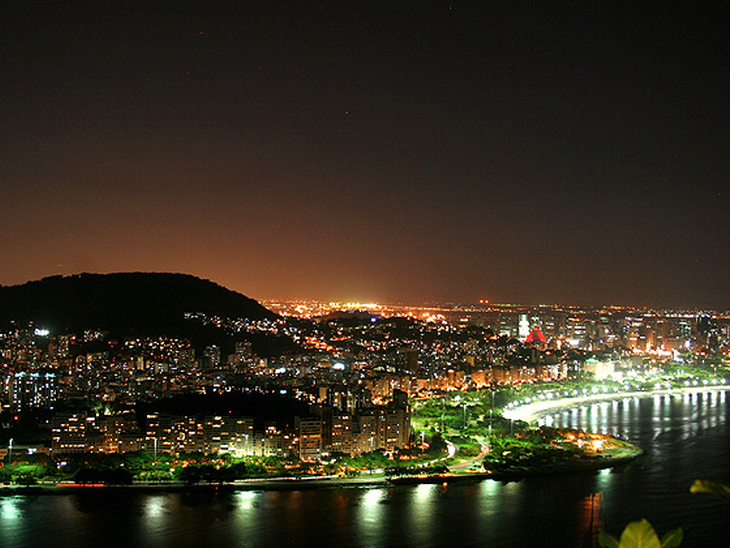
(686, 437)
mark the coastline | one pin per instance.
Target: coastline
(256, 484)
(589, 465)
(531, 412)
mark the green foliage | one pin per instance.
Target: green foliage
(436, 445)
(717, 490)
(469, 450)
(239, 470)
(115, 476)
(217, 474)
(189, 474)
(640, 534)
(87, 475)
(525, 454)
(255, 470)
(118, 476)
(5, 475)
(416, 470)
(155, 475)
(24, 479)
(673, 538)
(22, 473)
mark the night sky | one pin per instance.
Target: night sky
(428, 151)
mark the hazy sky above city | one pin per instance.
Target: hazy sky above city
(576, 154)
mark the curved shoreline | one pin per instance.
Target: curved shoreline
(590, 466)
(531, 412)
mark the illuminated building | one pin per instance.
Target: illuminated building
(523, 326)
(32, 389)
(576, 332)
(342, 439)
(119, 434)
(536, 336)
(207, 434)
(211, 358)
(600, 369)
(71, 432)
(384, 427)
(508, 325)
(309, 433)
(272, 442)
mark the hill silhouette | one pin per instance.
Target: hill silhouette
(126, 303)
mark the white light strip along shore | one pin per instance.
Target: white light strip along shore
(533, 411)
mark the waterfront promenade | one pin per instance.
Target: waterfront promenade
(531, 412)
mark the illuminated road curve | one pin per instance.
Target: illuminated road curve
(463, 466)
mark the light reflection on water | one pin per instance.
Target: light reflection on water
(683, 416)
(10, 511)
(369, 515)
(685, 436)
(420, 517)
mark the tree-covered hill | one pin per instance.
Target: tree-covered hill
(136, 304)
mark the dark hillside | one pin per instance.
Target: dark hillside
(124, 303)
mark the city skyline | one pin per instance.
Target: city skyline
(317, 307)
(573, 154)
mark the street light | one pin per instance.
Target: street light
(10, 451)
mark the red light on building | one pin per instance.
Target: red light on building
(535, 335)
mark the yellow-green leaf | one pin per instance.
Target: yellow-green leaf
(639, 534)
(673, 538)
(715, 489)
(607, 541)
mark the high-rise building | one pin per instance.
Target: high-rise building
(211, 358)
(343, 440)
(309, 432)
(71, 431)
(508, 325)
(32, 388)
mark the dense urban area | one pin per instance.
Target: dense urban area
(356, 387)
